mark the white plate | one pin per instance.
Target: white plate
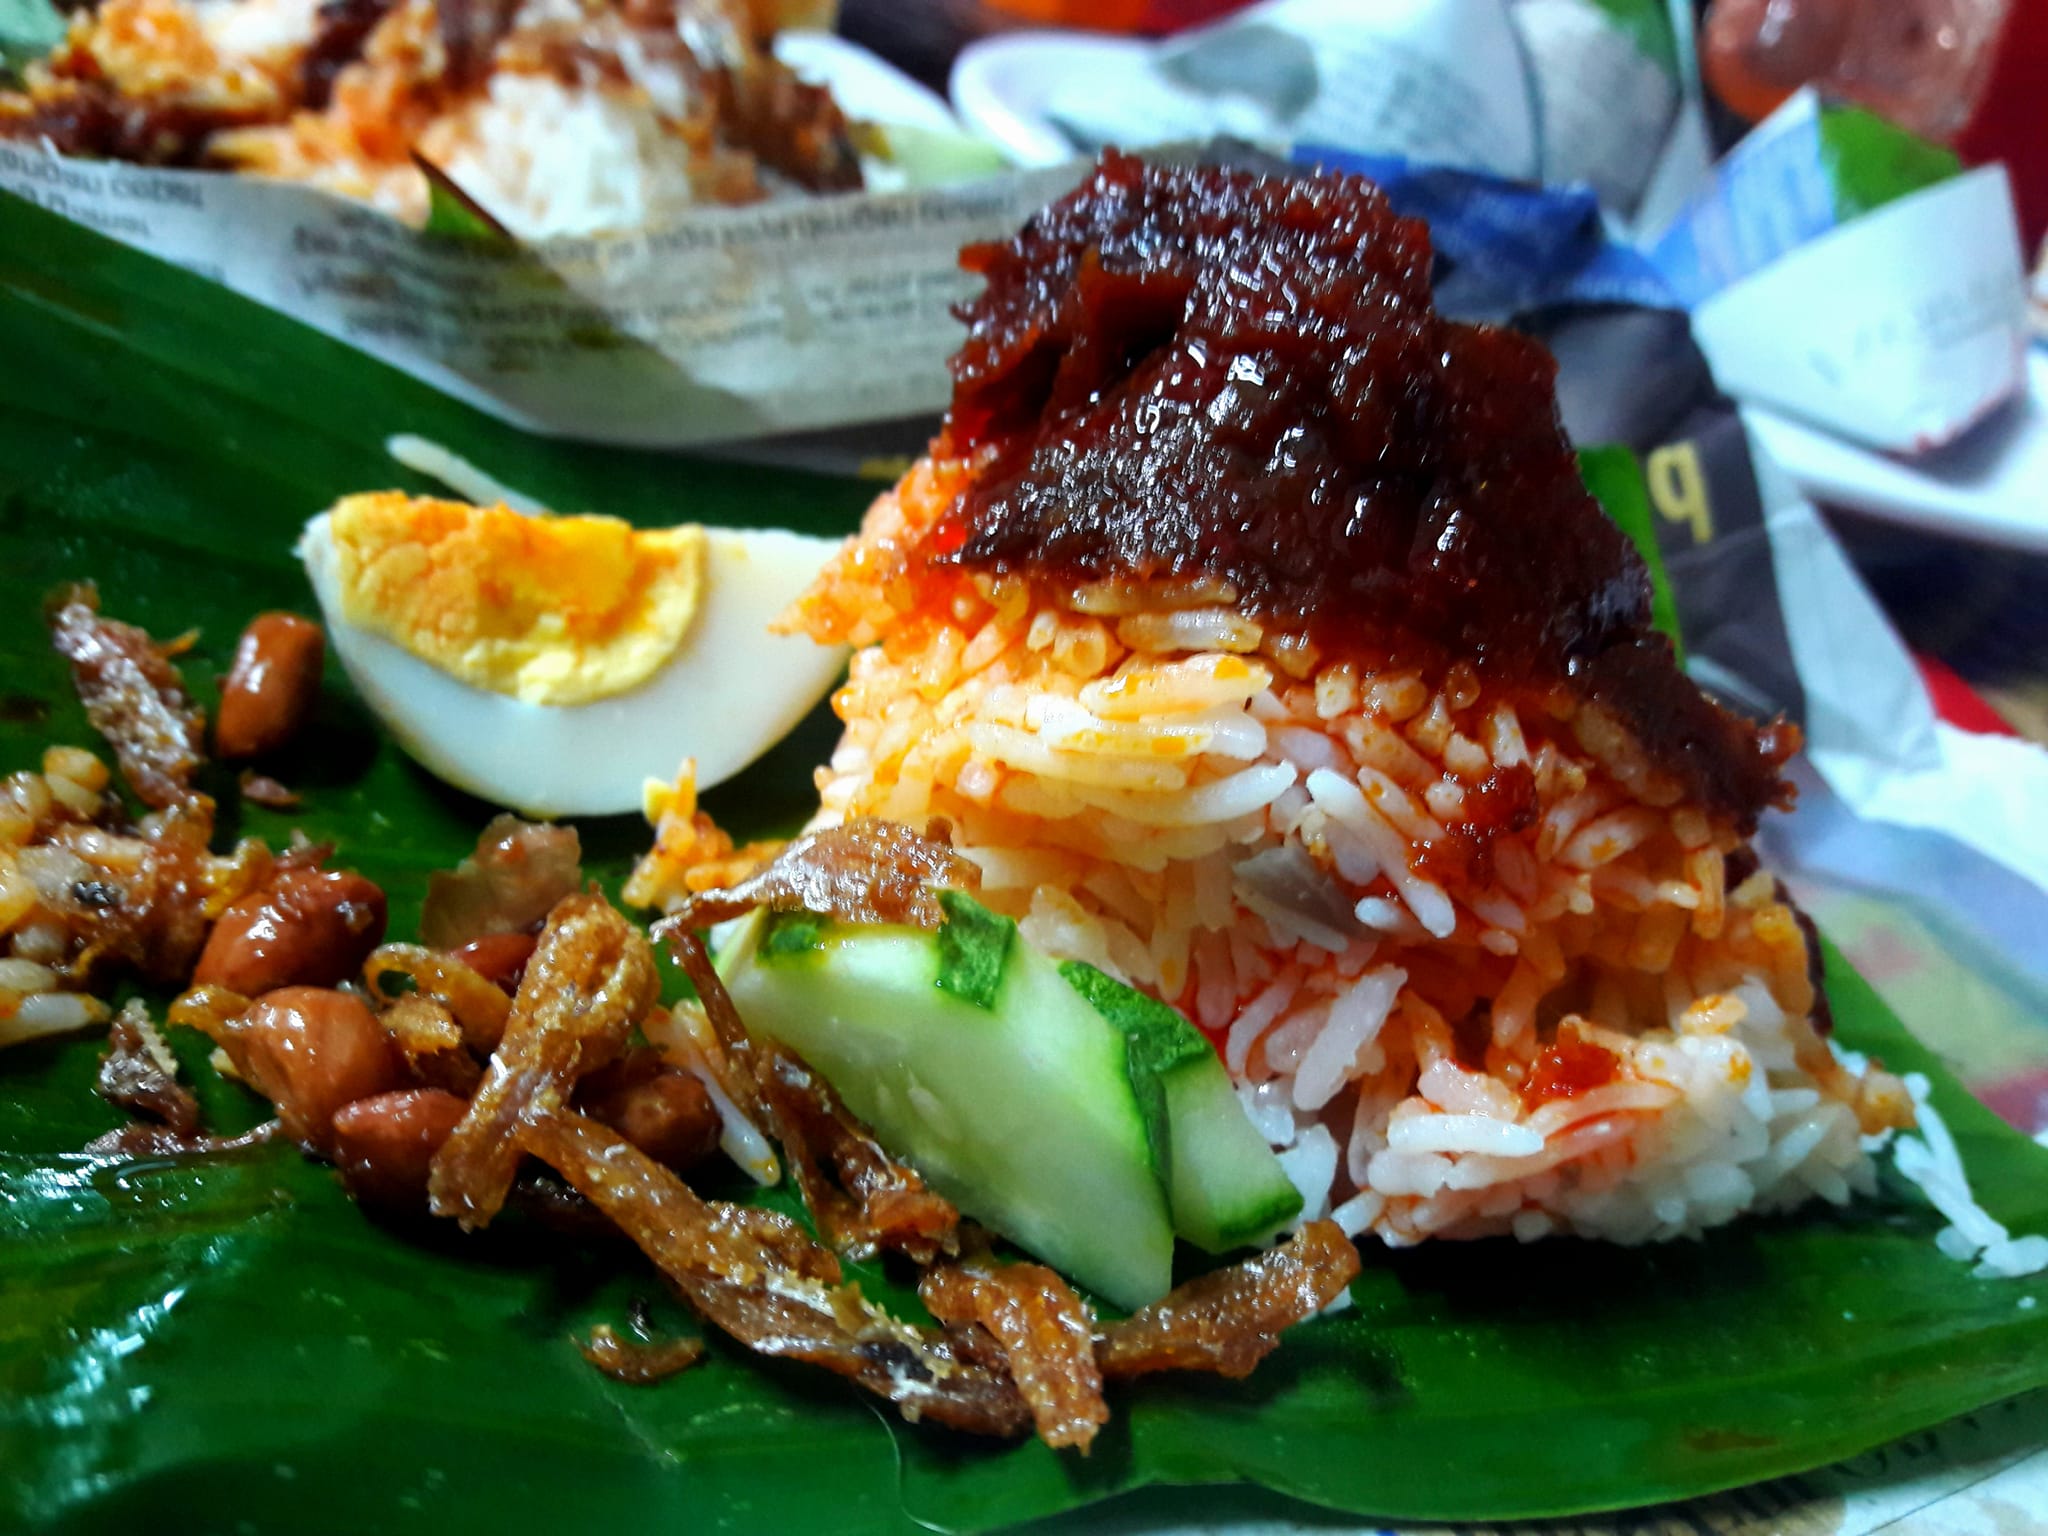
(1002, 86)
(1991, 485)
(866, 86)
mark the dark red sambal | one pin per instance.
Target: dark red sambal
(1180, 371)
(1569, 1066)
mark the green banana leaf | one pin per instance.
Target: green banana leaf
(229, 1344)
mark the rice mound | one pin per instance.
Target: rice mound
(1588, 1025)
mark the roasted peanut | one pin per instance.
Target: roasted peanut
(385, 1144)
(308, 927)
(310, 1050)
(665, 1113)
(500, 958)
(271, 686)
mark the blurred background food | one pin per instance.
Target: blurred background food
(1971, 73)
(557, 116)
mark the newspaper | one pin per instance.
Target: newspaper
(730, 323)
(1557, 91)
(1848, 275)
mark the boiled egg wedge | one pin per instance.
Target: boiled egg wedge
(554, 664)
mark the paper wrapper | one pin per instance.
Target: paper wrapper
(1842, 273)
(1991, 486)
(1899, 331)
(732, 323)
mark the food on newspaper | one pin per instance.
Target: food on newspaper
(553, 116)
(501, 649)
(1252, 628)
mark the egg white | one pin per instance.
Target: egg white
(728, 694)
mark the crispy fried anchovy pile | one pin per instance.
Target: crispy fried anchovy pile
(435, 1075)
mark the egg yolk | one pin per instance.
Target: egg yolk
(550, 610)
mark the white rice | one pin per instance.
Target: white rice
(47, 1013)
(253, 29)
(1727, 1123)
(473, 484)
(1931, 1160)
(552, 160)
(1332, 1058)
(1252, 1022)
(1481, 1134)
(1311, 1164)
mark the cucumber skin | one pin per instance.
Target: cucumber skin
(1225, 1187)
(974, 949)
(1036, 1082)
(1148, 1051)
(1227, 1190)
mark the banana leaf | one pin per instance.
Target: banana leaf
(229, 1344)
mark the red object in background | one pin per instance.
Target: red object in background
(2021, 1102)
(2011, 120)
(1969, 73)
(1153, 16)
(1956, 702)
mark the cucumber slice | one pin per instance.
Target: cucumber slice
(972, 1057)
(1225, 1187)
